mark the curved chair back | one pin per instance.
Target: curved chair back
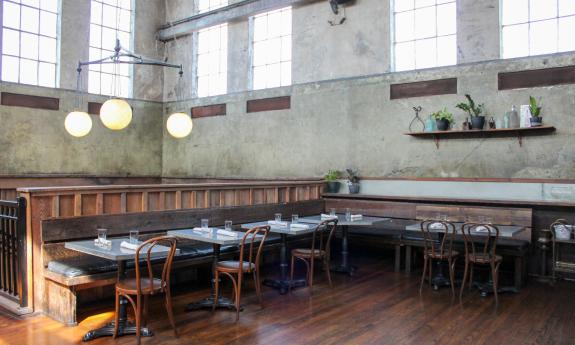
(322, 235)
(144, 251)
(480, 243)
(556, 223)
(250, 238)
(430, 243)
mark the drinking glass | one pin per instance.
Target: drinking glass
(204, 224)
(102, 234)
(332, 212)
(278, 217)
(134, 236)
(228, 225)
(294, 218)
(348, 214)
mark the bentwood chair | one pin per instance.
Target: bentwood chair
(320, 250)
(146, 284)
(247, 263)
(480, 248)
(438, 245)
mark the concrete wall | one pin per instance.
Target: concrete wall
(342, 116)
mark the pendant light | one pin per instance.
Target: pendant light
(78, 123)
(116, 114)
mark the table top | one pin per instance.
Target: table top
(365, 221)
(115, 252)
(504, 230)
(287, 230)
(209, 237)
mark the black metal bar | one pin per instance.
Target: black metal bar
(13, 265)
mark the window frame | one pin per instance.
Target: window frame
(37, 60)
(196, 54)
(130, 76)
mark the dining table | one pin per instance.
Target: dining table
(441, 280)
(121, 255)
(344, 223)
(284, 229)
(217, 237)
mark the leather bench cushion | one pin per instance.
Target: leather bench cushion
(81, 265)
(375, 231)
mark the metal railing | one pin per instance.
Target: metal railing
(13, 266)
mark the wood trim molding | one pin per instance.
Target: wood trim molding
(268, 104)
(423, 88)
(209, 110)
(30, 101)
(469, 179)
(536, 78)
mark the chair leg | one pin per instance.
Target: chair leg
(117, 315)
(424, 273)
(216, 290)
(495, 278)
(430, 262)
(170, 310)
(326, 263)
(470, 275)
(138, 313)
(311, 275)
(258, 287)
(291, 273)
(238, 296)
(145, 311)
(451, 263)
(465, 272)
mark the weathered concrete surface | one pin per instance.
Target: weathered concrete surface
(34, 141)
(74, 41)
(478, 30)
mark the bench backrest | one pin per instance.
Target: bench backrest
(497, 215)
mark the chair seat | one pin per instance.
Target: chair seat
(484, 258)
(235, 266)
(437, 255)
(129, 285)
(306, 253)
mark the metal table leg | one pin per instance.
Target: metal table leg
(344, 266)
(283, 284)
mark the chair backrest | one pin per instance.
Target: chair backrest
(250, 238)
(553, 227)
(430, 243)
(322, 235)
(144, 251)
(484, 242)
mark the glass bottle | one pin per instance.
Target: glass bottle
(512, 118)
(430, 124)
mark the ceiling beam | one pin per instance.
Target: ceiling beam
(234, 12)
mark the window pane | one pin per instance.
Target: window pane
(95, 36)
(405, 56)
(10, 42)
(260, 53)
(274, 25)
(48, 23)
(94, 54)
(49, 5)
(421, 3)
(566, 30)
(286, 73)
(96, 13)
(566, 7)
(273, 75)
(446, 50)
(286, 26)
(260, 28)
(109, 18)
(274, 51)
(125, 20)
(106, 84)
(286, 48)
(542, 9)
(29, 46)
(404, 26)
(204, 86)
(125, 4)
(543, 37)
(48, 49)
(108, 38)
(30, 19)
(446, 19)
(426, 53)
(259, 77)
(33, 3)
(47, 74)
(94, 82)
(10, 68)
(403, 5)
(514, 11)
(515, 41)
(425, 19)
(11, 15)
(28, 71)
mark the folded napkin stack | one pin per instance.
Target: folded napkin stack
(327, 216)
(481, 228)
(102, 243)
(437, 226)
(128, 245)
(273, 222)
(221, 232)
(299, 226)
(356, 217)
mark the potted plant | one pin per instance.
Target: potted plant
(331, 180)
(352, 181)
(443, 119)
(535, 109)
(474, 111)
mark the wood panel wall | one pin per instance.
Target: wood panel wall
(63, 202)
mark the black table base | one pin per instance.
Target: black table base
(208, 303)
(344, 267)
(125, 328)
(283, 285)
(486, 289)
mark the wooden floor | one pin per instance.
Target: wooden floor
(376, 306)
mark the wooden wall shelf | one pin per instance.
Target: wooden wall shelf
(488, 133)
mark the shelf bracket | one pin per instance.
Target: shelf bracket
(520, 139)
(436, 140)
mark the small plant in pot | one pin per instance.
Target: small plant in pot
(352, 181)
(331, 180)
(443, 119)
(535, 108)
(474, 111)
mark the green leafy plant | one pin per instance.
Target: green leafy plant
(332, 175)
(352, 176)
(443, 114)
(534, 106)
(470, 107)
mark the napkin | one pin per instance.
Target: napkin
(222, 232)
(102, 243)
(437, 226)
(356, 217)
(128, 245)
(327, 216)
(299, 226)
(481, 228)
(203, 229)
(273, 222)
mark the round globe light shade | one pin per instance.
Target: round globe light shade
(78, 123)
(179, 125)
(116, 114)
